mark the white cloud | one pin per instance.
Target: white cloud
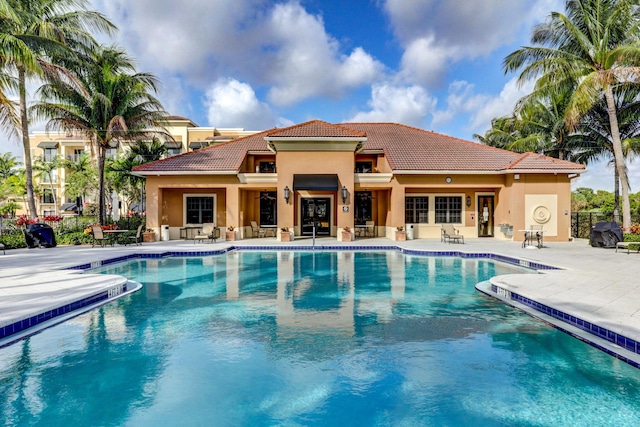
(307, 61)
(424, 62)
(231, 103)
(403, 104)
(435, 34)
(279, 45)
(480, 108)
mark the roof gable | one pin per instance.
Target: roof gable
(315, 129)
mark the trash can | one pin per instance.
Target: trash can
(164, 233)
(39, 235)
(409, 228)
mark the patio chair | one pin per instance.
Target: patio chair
(256, 231)
(208, 232)
(370, 229)
(137, 239)
(449, 233)
(98, 236)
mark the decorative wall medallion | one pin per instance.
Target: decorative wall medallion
(541, 214)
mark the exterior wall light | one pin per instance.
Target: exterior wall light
(468, 201)
(287, 194)
(344, 194)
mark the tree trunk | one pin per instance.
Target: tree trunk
(616, 196)
(24, 122)
(621, 166)
(101, 207)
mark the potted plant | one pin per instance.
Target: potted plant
(284, 235)
(346, 234)
(149, 236)
(401, 235)
(230, 234)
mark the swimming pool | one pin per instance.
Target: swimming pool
(302, 338)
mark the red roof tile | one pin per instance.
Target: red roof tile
(406, 149)
(316, 129)
(227, 156)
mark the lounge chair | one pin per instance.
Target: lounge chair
(98, 236)
(208, 232)
(137, 239)
(627, 246)
(449, 233)
(257, 231)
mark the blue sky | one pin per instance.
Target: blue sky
(256, 64)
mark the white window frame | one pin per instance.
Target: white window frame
(184, 206)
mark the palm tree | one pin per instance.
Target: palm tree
(140, 152)
(9, 119)
(8, 162)
(36, 30)
(110, 105)
(597, 142)
(594, 47)
(538, 125)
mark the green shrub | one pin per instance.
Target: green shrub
(632, 238)
(73, 238)
(13, 241)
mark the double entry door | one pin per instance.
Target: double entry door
(316, 211)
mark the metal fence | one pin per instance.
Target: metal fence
(74, 223)
(582, 222)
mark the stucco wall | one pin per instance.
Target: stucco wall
(516, 201)
(331, 162)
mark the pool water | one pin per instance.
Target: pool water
(314, 339)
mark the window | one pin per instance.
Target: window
(49, 178)
(199, 209)
(173, 152)
(364, 167)
(267, 167)
(268, 205)
(49, 154)
(362, 207)
(449, 210)
(48, 212)
(77, 153)
(47, 196)
(416, 210)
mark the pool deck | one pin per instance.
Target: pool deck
(596, 286)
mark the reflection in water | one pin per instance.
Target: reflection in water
(310, 338)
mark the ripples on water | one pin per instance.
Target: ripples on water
(299, 338)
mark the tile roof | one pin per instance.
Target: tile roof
(316, 129)
(226, 156)
(406, 149)
(412, 149)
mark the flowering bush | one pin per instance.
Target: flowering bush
(634, 229)
(25, 220)
(285, 229)
(53, 218)
(230, 228)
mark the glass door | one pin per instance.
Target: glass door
(485, 216)
(316, 210)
